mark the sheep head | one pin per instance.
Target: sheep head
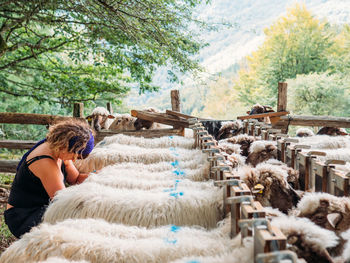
(140, 123)
(332, 131)
(261, 151)
(306, 239)
(269, 185)
(304, 132)
(229, 129)
(123, 122)
(259, 109)
(99, 118)
(327, 211)
(244, 141)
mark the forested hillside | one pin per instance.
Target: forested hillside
(268, 41)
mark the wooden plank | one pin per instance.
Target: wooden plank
(142, 133)
(175, 100)
(282, 97)
(181, 115)
(262, 115)
(160, 118)
(17, 144)
(328, 121)
(8, 166)
(32, 118)
(78, 110)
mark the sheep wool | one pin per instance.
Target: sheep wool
(60, 260)
(136, 207)
(240, 254)
(162, 142)
(146, 180)
(325, 142)
(91, 240)
(118, 153)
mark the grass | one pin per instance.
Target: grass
(6, 238)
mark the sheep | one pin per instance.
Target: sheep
(241, 253)
(100, 118)
(161, 142)
(184, 206)
(234, 160)
(59, 260)
(345, 257)
(306, 239)
(118, 153)
(332, 131)
(243, 140)
(229, 148)
(182, 168)
(102, 242)
(293, 175)
(325, 142)
(260, 151)
(269, 185)
(327, 211)
(229, 129)
(123, 122)
(304, 132)
(121, 178)
(259, 109)
(145, 124)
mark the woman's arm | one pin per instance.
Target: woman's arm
(49, 174)
(73, 175)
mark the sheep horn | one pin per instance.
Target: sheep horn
(334, 219)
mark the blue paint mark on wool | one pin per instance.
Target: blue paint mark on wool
(171, 137)
(179, 173)
(175, 163)
(174, 228)
(176, 194)
(193, 261)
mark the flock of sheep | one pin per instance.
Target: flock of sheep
(153, 200)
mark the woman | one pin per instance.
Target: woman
(43, 171)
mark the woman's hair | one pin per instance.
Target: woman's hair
(71, 135)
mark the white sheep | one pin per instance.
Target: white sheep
(102, 242)
(119, 153)
(124, 178)
(100, 118)
(58, 260)
(183, 206)
(304, 132)
(325, 142)
(123, 122)
(162, 142)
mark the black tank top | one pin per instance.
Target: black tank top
(27, 189)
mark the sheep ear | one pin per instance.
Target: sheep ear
(88, 117)
(248, 112)
(292, 239)
(334, 219)
(110, 116)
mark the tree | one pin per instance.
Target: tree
(320, 94)
(64, 51)
(295, 44)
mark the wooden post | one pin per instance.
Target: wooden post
(78, 110)
(282, 96)
(175, 100)
(109, 107)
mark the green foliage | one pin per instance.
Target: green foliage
(295, 44)
(61, 51)
(320, 94)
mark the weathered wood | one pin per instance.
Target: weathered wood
(109, 107)
(160, 118)
(78, 110)
(262, 115)
(328, 121)
(8, 166)
(282, 96)
(181, 115)
(175, 100)
(32, 118)
(16, 144)
(142, 133)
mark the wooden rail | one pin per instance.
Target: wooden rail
(320, 121)
(31, 118)
(160, 118)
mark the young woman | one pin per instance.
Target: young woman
(44, 170)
